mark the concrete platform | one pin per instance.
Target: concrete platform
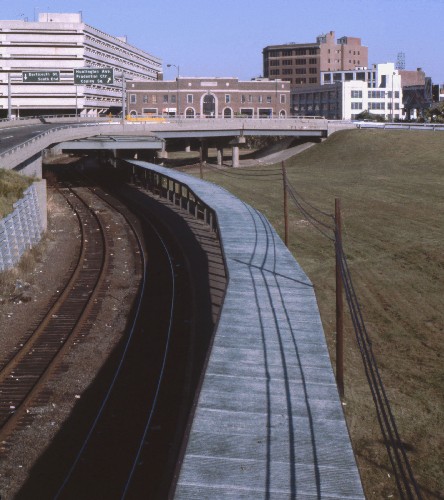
(269, 423)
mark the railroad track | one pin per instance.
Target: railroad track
(23, 377)
(129, 443)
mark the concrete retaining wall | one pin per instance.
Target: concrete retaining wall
(23, 228)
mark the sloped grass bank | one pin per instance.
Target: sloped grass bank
(391, 186)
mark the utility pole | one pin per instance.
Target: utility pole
(284, 178)
(339, 302)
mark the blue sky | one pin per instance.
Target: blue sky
(226, 37)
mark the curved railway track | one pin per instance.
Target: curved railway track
(24, 375)
(124, 436)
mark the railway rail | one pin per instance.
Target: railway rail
(24, 375)
(126, 437)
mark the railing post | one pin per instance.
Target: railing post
(284, 178)
(339, 302)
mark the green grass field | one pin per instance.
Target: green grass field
(391, 187)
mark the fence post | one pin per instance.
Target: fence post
(201, 162)
(339, 302)
(284, 178)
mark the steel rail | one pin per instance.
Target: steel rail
(25, 374)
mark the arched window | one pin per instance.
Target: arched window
(282, 114)
(228, 113)
(209, 105)
(189, 113)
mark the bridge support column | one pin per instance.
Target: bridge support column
(163, 153)
(220, 155)
(235, 156)
(204, 151)
(235, 151)
(187, 147)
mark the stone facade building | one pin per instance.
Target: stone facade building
(62, 43)
(209, 98)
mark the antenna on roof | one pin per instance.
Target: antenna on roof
(400, 61)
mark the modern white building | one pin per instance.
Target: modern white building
(62, 42)
(346, 94)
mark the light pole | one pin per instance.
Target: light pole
(393, 100)
(9, 97)
(177, 89)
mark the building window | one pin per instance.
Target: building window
(165, 98)
(312, 80)
(145, 99)
(300, 52)
(356, 94)
(312, 60)
(376, 105)
(149, 111)
(282, 98)
(189, 98)
(133, 98)
(274, 72)
(250, 98)
(268, 99)
(301, 62)
(312, 71)
(260, 99)
(274, 63)
(227, 98)
(286, 62)
(356, 105)
(243, 100)
(300, 71)
(154, 99)
(327, 78)
(313, 52)
(173, 99)
(287, 71)
(286, 53)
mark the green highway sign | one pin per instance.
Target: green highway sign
(40, 76)
(91, 76)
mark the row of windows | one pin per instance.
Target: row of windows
(294, 52)
(171, 98)
(299, 71)
(380, 94)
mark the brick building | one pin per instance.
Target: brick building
(302, 63)
(199, 97)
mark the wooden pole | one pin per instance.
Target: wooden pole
(201, 162)
(284, 178)
(339, 302)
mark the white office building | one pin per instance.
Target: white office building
(346, 94)
(62, 42)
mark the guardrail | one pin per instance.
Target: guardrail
(21, 229)
(176, 192)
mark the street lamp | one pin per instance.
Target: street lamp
(177, 91)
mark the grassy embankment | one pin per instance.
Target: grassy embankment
(12, 186)
(391, 186)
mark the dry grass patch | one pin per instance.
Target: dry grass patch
(391, 186)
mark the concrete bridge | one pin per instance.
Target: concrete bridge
(25, 154)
